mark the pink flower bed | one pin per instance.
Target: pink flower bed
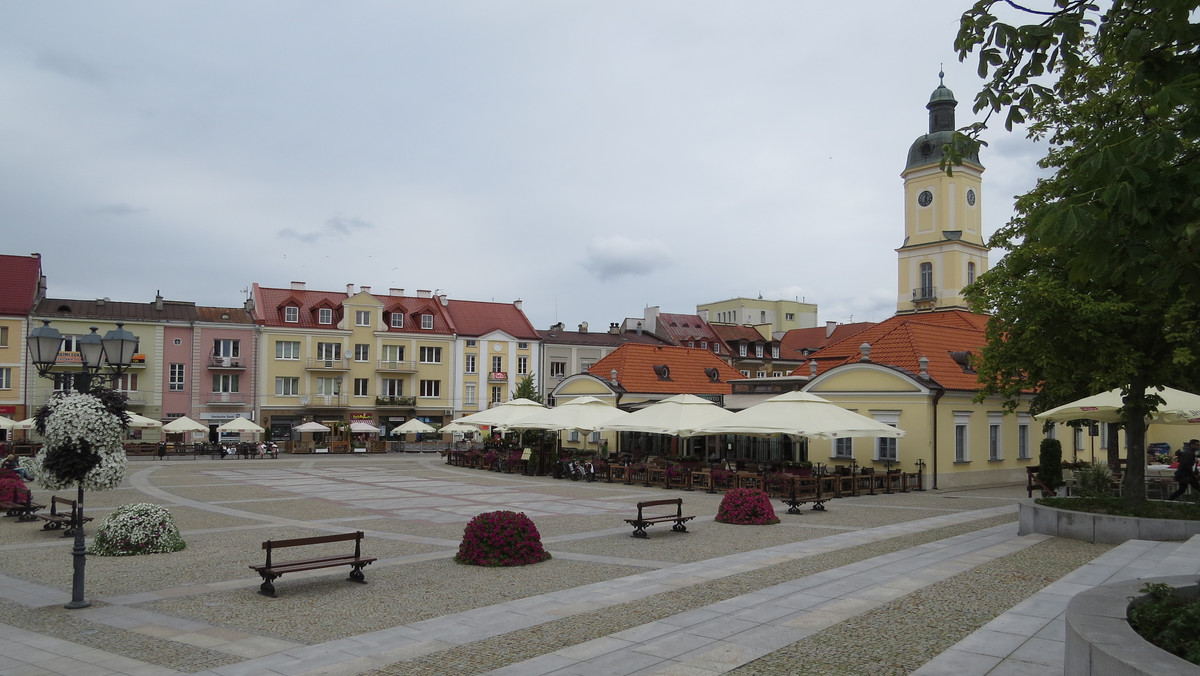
(501, 538)
(746, 506)
(10, 483)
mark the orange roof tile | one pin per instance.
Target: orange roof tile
(796, 341)
(635, 366)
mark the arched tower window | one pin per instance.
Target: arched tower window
(971, 273)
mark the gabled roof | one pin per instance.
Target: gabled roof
(640, 369)
(224, 315)
(680, 329)
(478, 318)
(797, 341)
(738, 333)
(19, 279)
(270, 304)
(597, 339)
(171, 311)
(902, 340)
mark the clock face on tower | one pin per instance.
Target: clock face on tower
(925, 198)
(971, 197)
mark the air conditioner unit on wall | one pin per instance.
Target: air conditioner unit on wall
(448, 411)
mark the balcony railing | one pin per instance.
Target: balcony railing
(217, 362)
(227, 398)
(396, 366)
(924, 294)
(328, 364)
(324, 400)
(396, 401)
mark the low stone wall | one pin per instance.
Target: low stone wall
(1102, 528)
(1100, 640)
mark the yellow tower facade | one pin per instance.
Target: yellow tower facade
(943, 249)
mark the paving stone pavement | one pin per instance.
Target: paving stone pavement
(862, 567)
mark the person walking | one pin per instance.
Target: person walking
(1186, 473)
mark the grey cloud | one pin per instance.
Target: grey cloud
(617, 256)
(70, 67)
(117, 209)
(338, 225)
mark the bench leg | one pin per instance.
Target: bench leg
(266, 588)
(679, 527)
(639, 531)
(819, 506)
(52, 525)
(356, 575)
(793, 506)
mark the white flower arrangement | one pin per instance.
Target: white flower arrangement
(75, 422)
(141, 528)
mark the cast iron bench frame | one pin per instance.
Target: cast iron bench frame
(642, 521)
(24, 511)
(56, 519)
(269, 571)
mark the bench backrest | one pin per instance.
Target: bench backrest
(357, 536)
(55, 501)
(678, 502)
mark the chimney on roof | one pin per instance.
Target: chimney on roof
(297, 286)
(445, 300)
(424, 293)
(639, 328)
(830, 327)
(812, 369)
(518, 303)
(583, 327)
(614, 328)
(365, 289)
(349, 289)
(395, 292)
(557, 327)
(865, 348)
(249, 305)
(612, 377)
(158, 300)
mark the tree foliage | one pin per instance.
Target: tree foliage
(1100, 282)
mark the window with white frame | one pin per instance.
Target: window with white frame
(1023, 436)
(717, 348)
(393, 353)
(776, 374)
(887, 448)
(362, 352)
(469, 393)
(325, 316)
(704, 345)
(758, 351)
(329, 351)
(397, 320)
(392, 387)
(362, 317)
(431, 388)
(522, 345)
(497, 394)
(584, 366)
(5, 378)
(774, 352)
(497, 364)
(227, 347)
(843, 448)
(746, 373)
(286, 386)
(427, 322)
(691, 343)
(522, 365)
(789, 316)
(469, 363)
(291, 314)
(225, 382)
(995, 440)
(760, 374)
(329, 387)
(471, 342)
(431, 355)
(558, 369)
(361, 387)
(742, 350)
(175, 377)
(287, 349)
(962, 434)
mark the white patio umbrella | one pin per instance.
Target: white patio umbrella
(457, 426)
(801, 414)
(362, 427)
(7, 423)
(584, 414)
(184, 424)
(413, 426)
(26, 424)
(311, 427)
(141, 422)
(507, 415)
(1179, 408)
(240, 425)
(680, 415)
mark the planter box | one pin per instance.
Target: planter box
(1099, 639)
(1102, 528)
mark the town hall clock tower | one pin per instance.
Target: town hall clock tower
(943, 248)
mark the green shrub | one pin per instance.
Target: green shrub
(1168, 621)
(1093, 480)
(1050, 464)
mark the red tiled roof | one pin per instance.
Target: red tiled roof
(269, 304)
(680, 329)
(634, 364)
(478, 318)
(19, 277)
(597, 339)
(903, 339)
(796, 341)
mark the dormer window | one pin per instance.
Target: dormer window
(758, 351)
(427, 322)
(397, 320)
(742, 350)
(325, 316)
(291, 314)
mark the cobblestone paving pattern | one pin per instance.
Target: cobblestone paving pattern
(900, 636)
(500, 651)
(54, 621)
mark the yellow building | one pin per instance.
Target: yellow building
(769, 316)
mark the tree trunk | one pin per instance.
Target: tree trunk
(1133, 484)
(1114, 447)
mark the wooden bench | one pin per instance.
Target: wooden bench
(269, 571)
(643, 520)
(56, 519)
(22, 508)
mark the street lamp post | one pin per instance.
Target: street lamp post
(116, 349)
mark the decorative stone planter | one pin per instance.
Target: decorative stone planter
(1102, 528)
(1100, 640)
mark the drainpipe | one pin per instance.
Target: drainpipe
(937, 396)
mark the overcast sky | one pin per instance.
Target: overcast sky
(590, 158)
